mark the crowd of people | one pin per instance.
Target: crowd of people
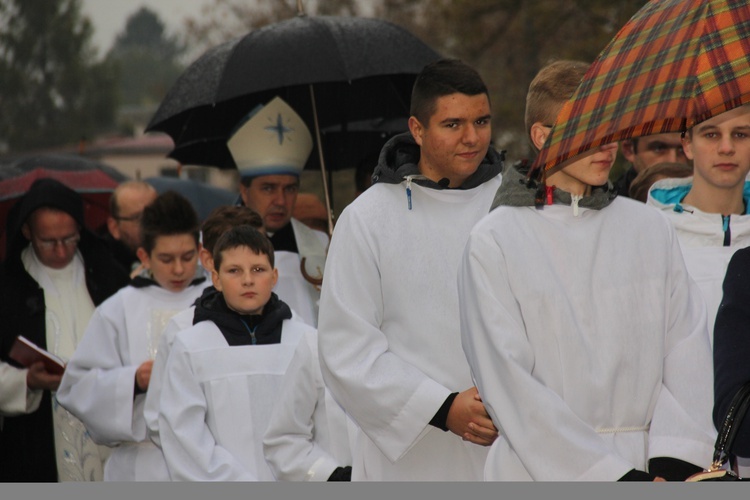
(468, 319)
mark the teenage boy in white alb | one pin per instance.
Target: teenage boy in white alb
(593, 367)
(107, 378)
(223, 374)
(388, 331)
(710, 209)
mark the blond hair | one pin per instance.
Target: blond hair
(551, 87)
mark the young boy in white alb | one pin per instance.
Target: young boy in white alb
(219, 221)
(106, 380)
(223, 374)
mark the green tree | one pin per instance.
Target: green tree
(147, 60)
(53, 91)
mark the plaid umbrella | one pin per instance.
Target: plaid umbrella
(674, 64)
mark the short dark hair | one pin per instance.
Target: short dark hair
(224, 218)
(242, 236)
(441, 78)
(169, 214)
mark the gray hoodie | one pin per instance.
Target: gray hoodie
(400, 156)
(517, 190)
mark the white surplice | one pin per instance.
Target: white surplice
(216, 401)
(707, 240)
(389, 334)
(302, 296)
(588, 341)
(99, 382)
(308, 433)
(68, 309)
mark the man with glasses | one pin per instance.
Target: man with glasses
(55, 273)
(125, 211)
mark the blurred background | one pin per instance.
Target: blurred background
(86, 76)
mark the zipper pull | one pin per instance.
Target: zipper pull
(727, 230)
(574, 199)
(408, 191)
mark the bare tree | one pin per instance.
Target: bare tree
(508, 41)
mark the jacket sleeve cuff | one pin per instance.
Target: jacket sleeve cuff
(341, 474)
(672, 469)
(637, 475)
(441, 417)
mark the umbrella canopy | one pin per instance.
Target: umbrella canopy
(95, 182)
(332, 70)
(674, 64)
(360, 69)
(202, 196)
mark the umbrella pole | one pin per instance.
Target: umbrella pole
(322, 163)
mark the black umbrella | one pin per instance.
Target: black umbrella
(332, 70)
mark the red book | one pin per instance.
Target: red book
(27, 353)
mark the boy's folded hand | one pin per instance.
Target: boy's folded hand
(468, 418)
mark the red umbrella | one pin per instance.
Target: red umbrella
(675, 63)
(93, 180)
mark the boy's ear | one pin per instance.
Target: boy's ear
(687, 146)
(275, 275)
(416, 129)
(215, 279)
(143, 257)
(539, 134)
(207, 260)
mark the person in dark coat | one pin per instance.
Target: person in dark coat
(47, 239)
(732, 348)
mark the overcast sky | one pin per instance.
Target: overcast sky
(109, 16)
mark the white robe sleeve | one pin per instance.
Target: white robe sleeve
(289, 444)
(549, 439)
(97, 387)
(681, 426)
(15, 397)
(190, 449)
(389, 398)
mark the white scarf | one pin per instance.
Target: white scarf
(67, 302)
(68, 309)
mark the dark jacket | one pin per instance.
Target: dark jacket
(732, 345)
(240, 329)
(27, 451)
(517, 190)
(120, 253)
(622, 183)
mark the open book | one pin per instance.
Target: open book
(27, 353)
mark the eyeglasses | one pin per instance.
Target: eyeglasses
(132, 218)
(68, 242)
